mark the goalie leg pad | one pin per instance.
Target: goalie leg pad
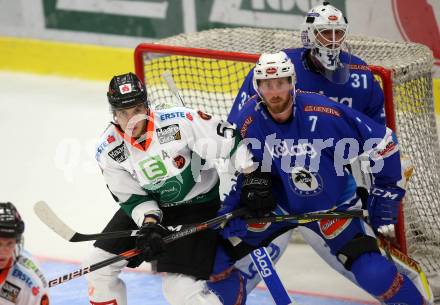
(105, 286)
(180, 289)
(379, 277)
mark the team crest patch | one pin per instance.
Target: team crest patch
(330, 228)
(179, 161)
(305, 182)
(204, 116)
(9, 292)
(119, 153)
(168, 133)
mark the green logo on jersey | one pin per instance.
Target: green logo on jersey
(153, 168)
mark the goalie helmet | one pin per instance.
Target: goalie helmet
(126, 91)
(271, 66)
(11, 224)
(324, 31)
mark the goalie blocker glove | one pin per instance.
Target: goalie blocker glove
(383, 205)
(256, 193)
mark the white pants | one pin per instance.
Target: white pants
(106, 287)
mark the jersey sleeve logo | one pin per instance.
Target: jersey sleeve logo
(243, 130)
(322, 109)
(10, 292)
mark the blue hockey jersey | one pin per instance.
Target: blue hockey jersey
(307, 155)
(361, 92)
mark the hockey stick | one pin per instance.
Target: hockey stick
(50, 219)
(308, 217)
(191, 229)
(265, 268)
(48, 216)
(168, 77)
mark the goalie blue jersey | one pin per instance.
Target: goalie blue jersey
(361, 92)
(308, 154)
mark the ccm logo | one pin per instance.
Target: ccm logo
(384, 194)
(261, 259)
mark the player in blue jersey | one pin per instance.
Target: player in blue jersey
(303, 143)
(322, 66)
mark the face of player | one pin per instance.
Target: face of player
(329, 38)
(276, 93)
(7, 248)
(132, 120)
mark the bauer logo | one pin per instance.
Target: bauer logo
(304, 182)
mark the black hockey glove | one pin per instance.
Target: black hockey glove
(256, 193)
(150, 240)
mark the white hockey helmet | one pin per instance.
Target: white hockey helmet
(322, 18)
(273, 65)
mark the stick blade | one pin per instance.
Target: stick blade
(50, 219)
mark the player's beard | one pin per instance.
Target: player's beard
(277, 104)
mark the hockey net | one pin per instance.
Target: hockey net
(208, 68)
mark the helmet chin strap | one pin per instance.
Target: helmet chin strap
(328, 58)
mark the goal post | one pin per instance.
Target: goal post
(208, 68)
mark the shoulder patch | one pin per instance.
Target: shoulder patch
(101, 147)
(119, 153)
(10, 292)
(168, 133)
(44, 300)
(204, 115)
(243, 130)
(322, 109)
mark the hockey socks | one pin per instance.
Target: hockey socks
(379, 277)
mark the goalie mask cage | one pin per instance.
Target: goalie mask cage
(208, 68)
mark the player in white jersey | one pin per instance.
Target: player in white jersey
(21, 281)
(155, 165)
